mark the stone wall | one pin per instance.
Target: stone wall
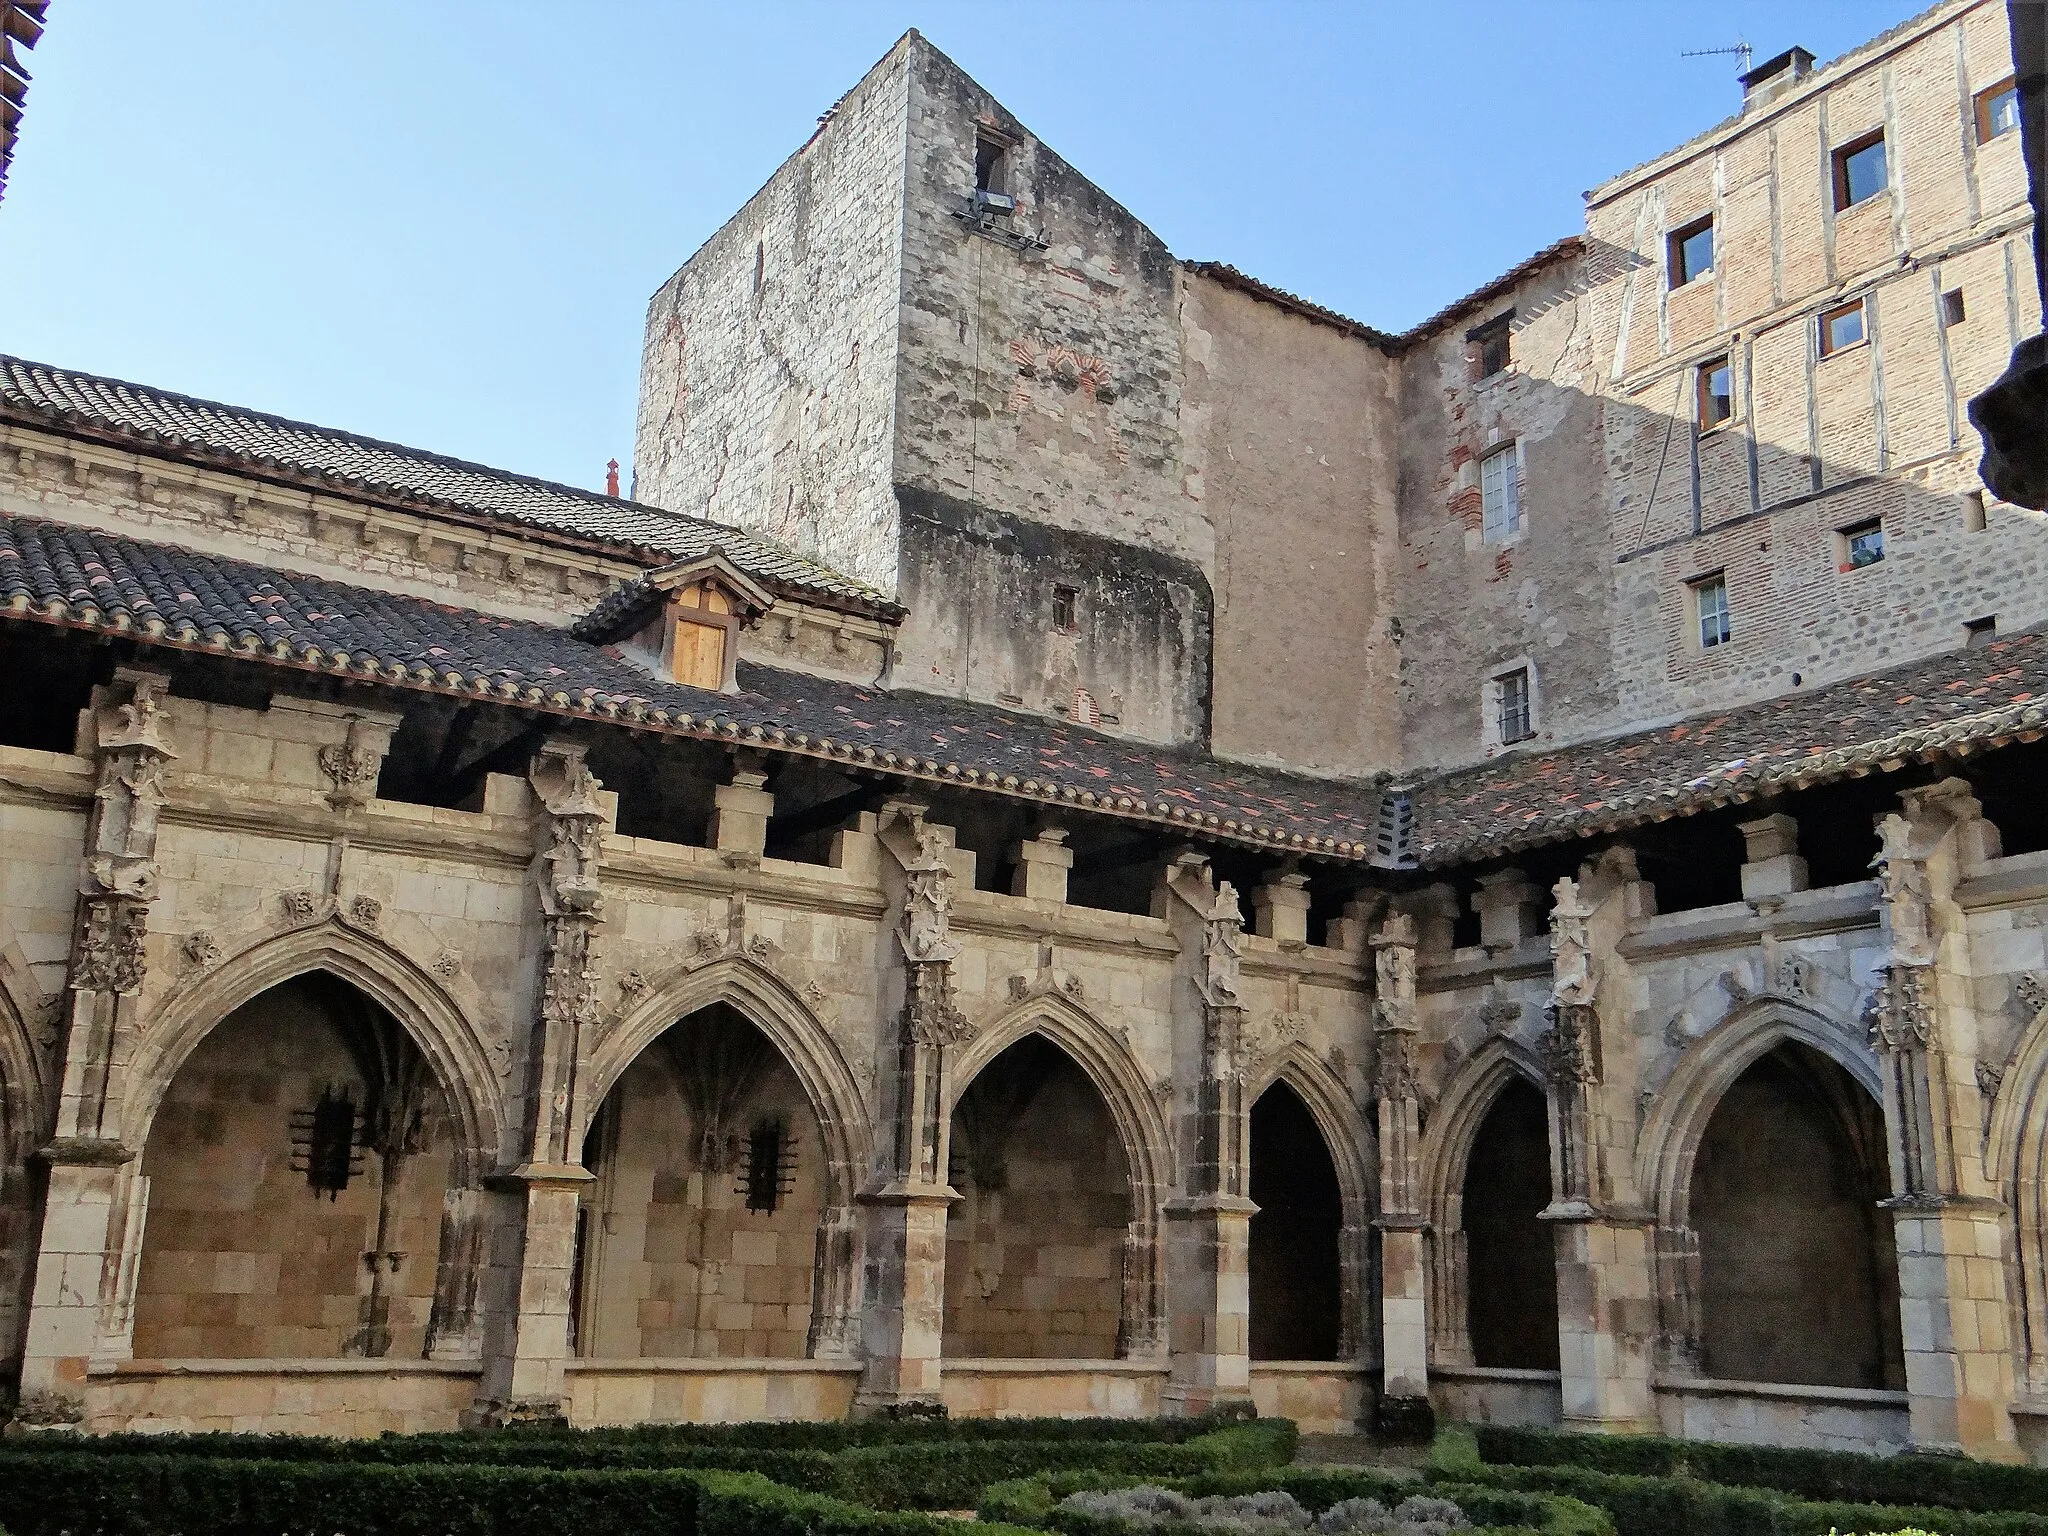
(769, 364)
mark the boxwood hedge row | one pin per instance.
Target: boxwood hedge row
(1656, 1506)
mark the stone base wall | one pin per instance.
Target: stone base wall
(603, 1392)
(1478, 1394)
(1321, 1397)
(1766, 1413)
(1065, 1389)
(346, 1398)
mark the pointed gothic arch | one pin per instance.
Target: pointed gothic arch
(1462, 1111)
(2016, 1161)
(771, 1005)
(424, 1007)
(1136, 1117)
(1725, 1304)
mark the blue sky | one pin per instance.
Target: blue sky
(438, 221)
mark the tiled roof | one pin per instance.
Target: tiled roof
(1967, 699)
(164, 422)
(1976, 697)
(79, 576)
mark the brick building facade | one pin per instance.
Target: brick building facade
(1095, 837)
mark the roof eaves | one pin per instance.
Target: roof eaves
(1520, 272)
(1244, 282)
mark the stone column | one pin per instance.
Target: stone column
(1208, 1243)
(87, 1226)
(1771, 867)
(1280, 908)
(1949, 1223)
(533, 1248)
(1606, 1294)
(740, 811)
(1403, 1411)
(1043, 864)
(906, 1200)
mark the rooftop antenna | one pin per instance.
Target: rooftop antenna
(1741, 50)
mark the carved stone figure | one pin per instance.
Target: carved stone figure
(1571, 946)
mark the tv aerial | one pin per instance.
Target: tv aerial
(1740, 50)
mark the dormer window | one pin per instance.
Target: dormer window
(682, 621)
(702, 636)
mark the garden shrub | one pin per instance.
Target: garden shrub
(1951, 1482)
(1149, 1506)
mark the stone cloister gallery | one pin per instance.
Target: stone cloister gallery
(1092, 837)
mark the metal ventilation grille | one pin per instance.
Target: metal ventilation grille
(1393, 838)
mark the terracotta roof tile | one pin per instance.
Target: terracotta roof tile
(178, 423)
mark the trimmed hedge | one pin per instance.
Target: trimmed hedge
(937, 1474)
(44, 1494)
(1949, 1481)
(1035, 1501)
(1656, 1506)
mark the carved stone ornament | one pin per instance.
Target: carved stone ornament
(1736, 985)
(1046, 979)
(299, 906)
(1571, 946)
(1393, 950)
(351, 766)
(1501, 1012)
(934, 1019)
(2031, 993)
(1396, 1078)
(448, 964)
(1989, 1077)
(1222, 949)
(567, 864)
(1795, 976)
(1902, 882)
(366, 911)
(1571, 1045)
(200, 950)
(1901, 1012)
(631, 985)
(108, 952)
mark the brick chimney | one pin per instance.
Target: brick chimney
(611, 477)
(1774, 77)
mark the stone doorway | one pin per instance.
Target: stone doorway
(698, 1238)
(1510, 1258)
(1296, 1269)
(292, 1186)
(1034, 1248)
(1798, 1268)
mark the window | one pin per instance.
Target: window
(991, 158)
(1998, 111)
(1710, 601)
(1066, 609)
(1861, 545)
(1500, 495)
(326, 1144)
(701, 630)
(1717, 392)
(1841, 327)
(1980, 631)
(1952, 310)
(1513, 717)
(770, 1166)
(1859, 170)
(1492, 343)
(1692, 251)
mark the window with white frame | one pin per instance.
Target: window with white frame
(1710, 605)
(1500, 495)
(1514, 706)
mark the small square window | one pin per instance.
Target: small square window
(1066, 609)
(1998, 111)
(1493, 342)
(990, 163)
(1952, 310)
(1841, 327)
(1710, 603)
(1860, 170)
(1500, 495)
(1691, 251)
(1980, 631)
(1862, 545)
(1717, 392)
(1514, 718)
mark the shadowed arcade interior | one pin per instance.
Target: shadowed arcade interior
(1034, 1248)
(1296, 1273)
(1509, 1255)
